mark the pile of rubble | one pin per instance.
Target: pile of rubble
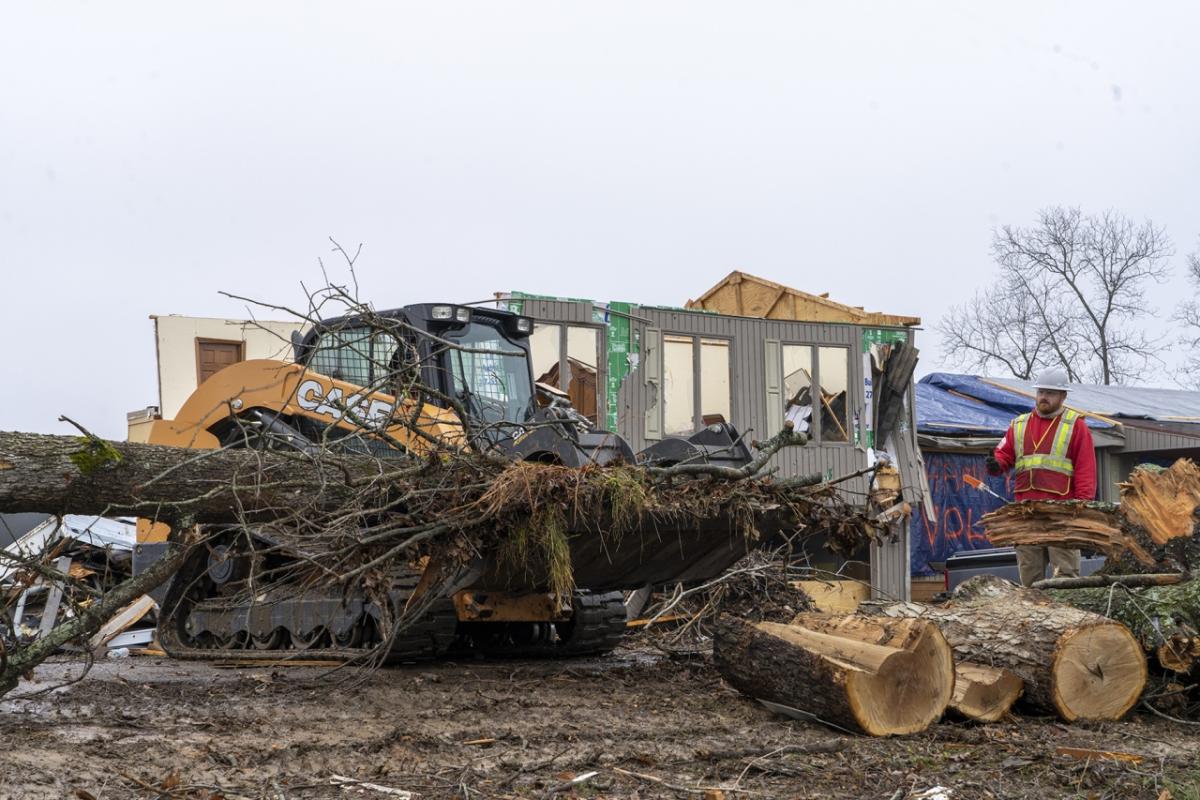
(64, 564)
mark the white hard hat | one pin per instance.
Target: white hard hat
(1053, 378)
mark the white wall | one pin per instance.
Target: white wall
(175, 338)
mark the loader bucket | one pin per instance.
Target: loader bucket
(660, 552)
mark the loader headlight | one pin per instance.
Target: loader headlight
(462, 314)
(442, 313)
(524, 325)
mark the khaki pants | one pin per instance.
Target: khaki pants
(1031, 562)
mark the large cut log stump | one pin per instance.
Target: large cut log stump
(842, 676)
(1076, 664)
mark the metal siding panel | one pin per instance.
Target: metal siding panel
(652, 379)
(773, 385)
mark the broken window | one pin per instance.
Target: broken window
(679, 396)
(797, 386)
(582, 381)
(577, 375)
(833, 371)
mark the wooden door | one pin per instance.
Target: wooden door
(212, 356)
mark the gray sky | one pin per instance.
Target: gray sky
(150, 156)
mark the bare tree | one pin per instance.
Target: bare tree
(1188, 316)
(1070, 293)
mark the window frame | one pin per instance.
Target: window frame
(815, 428)
(564, 354)
(697, 379)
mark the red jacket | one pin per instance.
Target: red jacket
(1080, 450)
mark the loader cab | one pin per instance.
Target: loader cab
(479, 357)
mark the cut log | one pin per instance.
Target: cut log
(1076, 664)
(983, 693)
(1088, 526)
(842, 675)
(1165, 619)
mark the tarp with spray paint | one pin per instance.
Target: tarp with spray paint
(957, 509)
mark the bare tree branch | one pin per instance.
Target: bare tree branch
(1070, 293)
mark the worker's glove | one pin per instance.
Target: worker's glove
(993, 465)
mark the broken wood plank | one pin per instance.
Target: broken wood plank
(1084, 754)
(124, 619)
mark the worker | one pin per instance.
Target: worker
(1051, 449)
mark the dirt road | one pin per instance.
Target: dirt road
(647, 726)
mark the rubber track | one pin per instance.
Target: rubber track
(598, 627)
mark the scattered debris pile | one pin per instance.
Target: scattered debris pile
(65, 564)
(760, 587)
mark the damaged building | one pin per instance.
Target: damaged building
(753, 353)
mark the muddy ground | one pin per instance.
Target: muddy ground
(647, 725)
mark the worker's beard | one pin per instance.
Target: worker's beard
(1049, 408)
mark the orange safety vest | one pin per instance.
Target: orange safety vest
(1044, 468)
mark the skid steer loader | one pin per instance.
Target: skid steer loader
(456, 375)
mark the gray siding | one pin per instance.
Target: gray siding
(1144, 440)
(749, 389)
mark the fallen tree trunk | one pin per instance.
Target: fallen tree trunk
(80, 475)
(1165, 619)
(1074, 663)
(1097, 580)
(841, 674)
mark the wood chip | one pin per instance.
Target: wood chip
(1084, 754)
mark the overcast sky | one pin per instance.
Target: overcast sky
(639, 151)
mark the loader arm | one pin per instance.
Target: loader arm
(294, 391)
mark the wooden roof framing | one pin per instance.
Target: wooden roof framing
(744, 295)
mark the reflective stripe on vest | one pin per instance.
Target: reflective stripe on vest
(1054, 461)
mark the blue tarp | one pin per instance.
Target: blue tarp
(950, 404)
(940, 412)
(973, 386)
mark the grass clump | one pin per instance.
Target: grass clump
(541, 545)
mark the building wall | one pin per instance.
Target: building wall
(749, 340)
(176, 343)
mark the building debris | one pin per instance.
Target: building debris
(92, 554)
